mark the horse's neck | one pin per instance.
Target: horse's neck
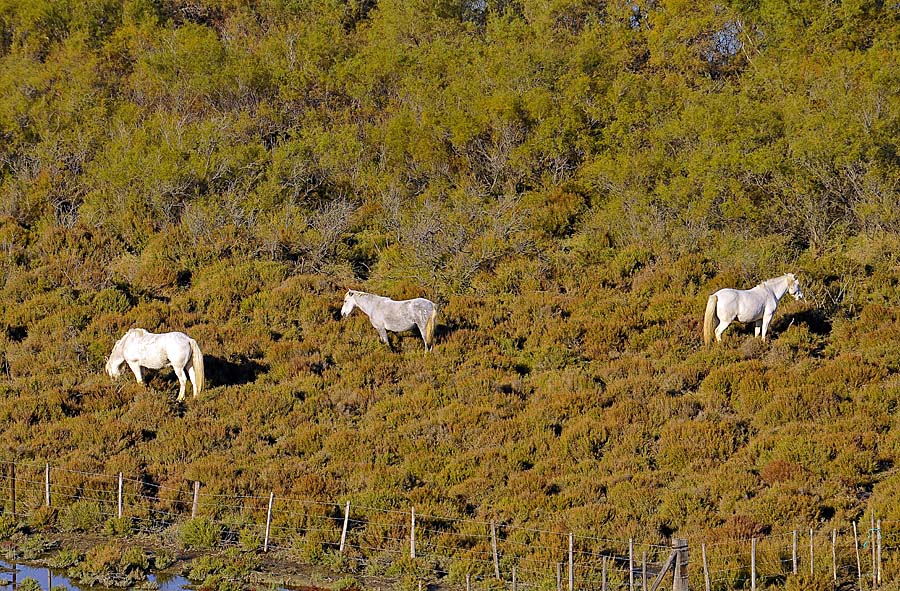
(367, 301)
(777, 286)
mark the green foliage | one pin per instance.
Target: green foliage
(229, 168)
(163, 559)
(66, 559)
(9, 525)
(81, 516)
(346, 584)
(118, 526)
(200, 532)
(113, 564)
(228, 568)
(43, 517)
(31, 547)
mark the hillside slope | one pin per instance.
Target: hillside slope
(229, 169)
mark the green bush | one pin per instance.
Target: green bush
(9, 525)
(200, 532)
(119, 526)
(42, 518)
(81, 516)
(113, 564)
(347, 584)
(163, 559)
(66, 559)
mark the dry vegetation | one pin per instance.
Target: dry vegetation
(229, 168)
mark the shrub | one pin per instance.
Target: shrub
(250, 538)
(33, 547)
(119, 526)
(200, 532)
(346, 584)
(66, 559)
(9, 525)
(43, 517)
(81, 516)
(163, 559)
(113, 565)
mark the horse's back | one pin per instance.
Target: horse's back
(400, 315)
(155, 350)
(747, 305)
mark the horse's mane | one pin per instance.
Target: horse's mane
(130, 332)
(768, 282)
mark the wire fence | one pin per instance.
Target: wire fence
(457, 552)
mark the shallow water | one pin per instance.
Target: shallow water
(11, 576)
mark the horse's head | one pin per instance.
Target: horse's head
(794, 287)
(117, 358)
(349, 303)
(113, 364)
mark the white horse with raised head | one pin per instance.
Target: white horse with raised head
(386, 314)
(139, 348)
(755, 305)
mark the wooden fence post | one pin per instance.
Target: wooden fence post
(872, 542)
(47, 484)
(494, 550)
(794, 571)
(121, 504)
(559, 576)
(705, 568)
(680, 548)
(858, 561)
(196, 502)
(878, 536)
(603, 579)
(834, 555)
(812, 562)
(268, 522)
(515, 583)
(753, 564)
(644, 570)
(468, 582)
(571, 561)
(412, 533)
(12, 487)
(631, 564)
(344, 529)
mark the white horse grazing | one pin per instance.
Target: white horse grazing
(755, 305)
(139, 348)
(386, 314)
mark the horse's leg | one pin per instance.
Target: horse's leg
(384, 336)
(179, 371)
(766, 319)
(136, 369)
(422, 324)
(723, 324)
(192, 377)
(757, 328)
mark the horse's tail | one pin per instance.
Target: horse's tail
(197, 359)
(709, 319)
(429, 327)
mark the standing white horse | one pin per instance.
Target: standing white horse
(755, 305)
(139, 348)
(386, 314)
